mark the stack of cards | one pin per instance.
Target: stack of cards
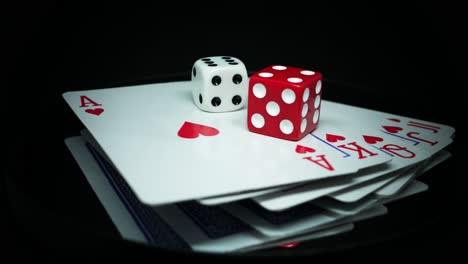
(175, 177)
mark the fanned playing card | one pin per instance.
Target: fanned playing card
(175, 177)
(168, 151)
(409, 142)
(177, 226)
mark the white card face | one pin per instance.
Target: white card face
(184, 226)
(430, 136)
(169, 151)
(87, 137)
(208, 201)
(288, 198)
(114, 207)
(129, 230)
(355, 193)
(401, 182)
(268, 229)
(310, 223)
(391, 185)
(382, 132)
(371, 142)
(369, 116)
(335, 206)
(236, 197)
(404, 152)
(352, 147)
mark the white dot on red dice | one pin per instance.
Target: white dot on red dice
(294, 80)
(259, 90)
(279, 67)
(318, 87)
(305, 95)
(307, 72)
(265, 74)
(305, 108)
(257, 120)
(303, 125)
(273, 108)
(316, 116)
(288, 96)
(286, 127)
(317, 101)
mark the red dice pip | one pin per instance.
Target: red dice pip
(284, 102)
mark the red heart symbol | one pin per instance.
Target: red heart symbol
(95, 111)
(392, 129)
(334, 138)
(372, 139)
(289, 245)
(192, 130)
(394, 120)
(303, 149)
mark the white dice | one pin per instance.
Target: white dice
(219, 84)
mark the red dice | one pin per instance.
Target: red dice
(284, 102)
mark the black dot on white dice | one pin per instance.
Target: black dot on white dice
(222, 81)
(236, 100)
(216, 101)
(216, 80)
(237, 79)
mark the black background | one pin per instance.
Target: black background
(401, 59)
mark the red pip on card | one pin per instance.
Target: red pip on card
(284, 102)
